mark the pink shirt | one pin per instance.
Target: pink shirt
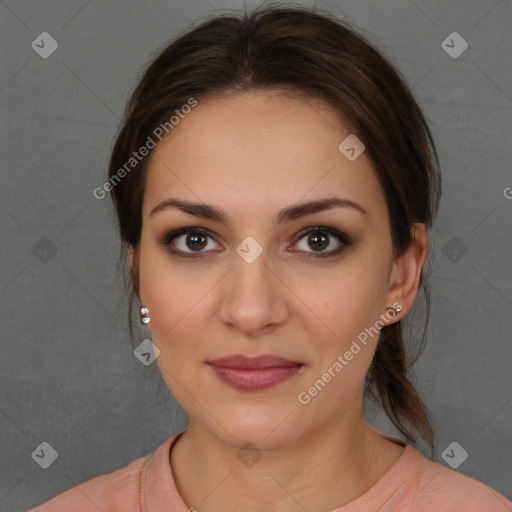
(412, 484)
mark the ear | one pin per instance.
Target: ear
(405, 275)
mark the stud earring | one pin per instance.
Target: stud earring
(144, 318)
(392, 312)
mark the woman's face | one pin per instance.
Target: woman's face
(253, 285)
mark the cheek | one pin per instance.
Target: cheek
(349, 301)
(344, 329)
(177, 305)
(342, 344)
(175, 298)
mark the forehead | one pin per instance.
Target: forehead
(258, 148)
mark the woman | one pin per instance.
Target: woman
(274, 180)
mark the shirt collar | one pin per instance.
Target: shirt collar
(158, 490)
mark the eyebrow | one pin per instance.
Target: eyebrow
(286, 214)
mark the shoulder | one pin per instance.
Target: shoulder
(117, 491)
(432, 486)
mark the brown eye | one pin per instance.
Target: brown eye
(188, 242)
(195, 241)
(319, 238)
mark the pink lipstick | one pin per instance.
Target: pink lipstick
(254, 373)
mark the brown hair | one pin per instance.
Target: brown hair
(311, 54)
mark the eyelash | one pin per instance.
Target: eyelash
(344, 239)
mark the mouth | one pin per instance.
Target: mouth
(254, 373)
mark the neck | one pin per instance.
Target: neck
(325, 470)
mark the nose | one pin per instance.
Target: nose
(254, 297)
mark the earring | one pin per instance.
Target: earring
(394, 311)
(144, 318)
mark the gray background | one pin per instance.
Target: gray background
(67, 372)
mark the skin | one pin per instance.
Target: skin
(250, 155)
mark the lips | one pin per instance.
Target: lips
(254, 373)
(240, 362)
